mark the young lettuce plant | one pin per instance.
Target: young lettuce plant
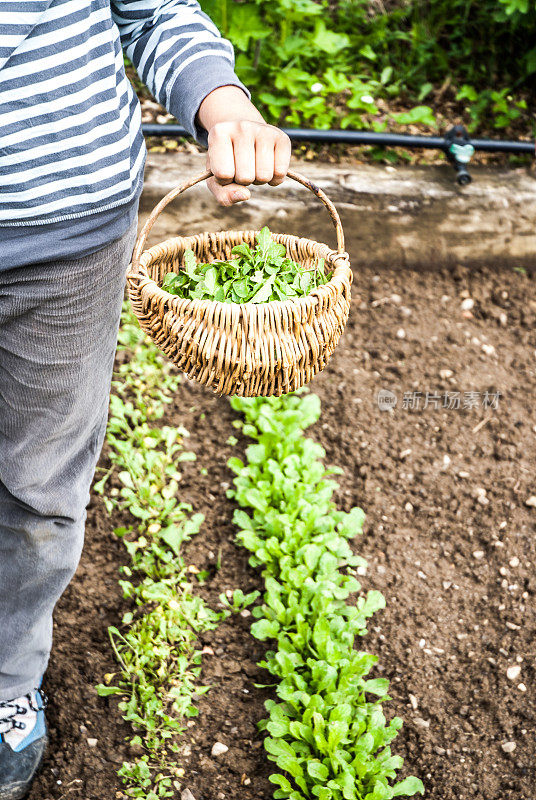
(327, 732)
(157, 648)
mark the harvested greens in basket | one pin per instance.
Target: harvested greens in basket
(252, 276)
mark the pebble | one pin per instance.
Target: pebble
(187, 795)
(468, 304)
(207, 651)
(92, 742)
(395, 298)
(513, 673)
(408, 507)
(445, 373)
(218, 749)
(531, 501)
(503, 319)
(422, 723)
(488, 349)
(447, 585)
(508, 747)
(522, 687)
(153, 528)
(413, 701)
(401, 333)
(478, 554)
(514, 562)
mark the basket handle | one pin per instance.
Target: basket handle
(157, 210)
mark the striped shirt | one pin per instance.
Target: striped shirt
(70, 123)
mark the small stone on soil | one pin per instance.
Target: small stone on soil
(187, 795)
(508, 747)
(422, 723)
(92, 742)
(478, 554)
(512, 673)
(218, 749)
(468, 304)
(531, 501)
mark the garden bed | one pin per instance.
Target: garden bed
(448, 539)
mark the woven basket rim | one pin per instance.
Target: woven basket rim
(148, 284)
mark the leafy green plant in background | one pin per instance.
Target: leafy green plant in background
(252, 276)
(327, 732)
(349, 63)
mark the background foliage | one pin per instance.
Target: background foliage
(364, 63)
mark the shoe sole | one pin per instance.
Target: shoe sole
(20, 791)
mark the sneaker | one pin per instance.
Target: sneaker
(23, 737)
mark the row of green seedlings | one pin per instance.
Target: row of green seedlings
(157, 645)
(326, 731)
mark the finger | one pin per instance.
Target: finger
(264, 158)
(220, 154)
(282, 156)
(244, 154)
(229, 194)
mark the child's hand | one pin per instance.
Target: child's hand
(242, 148)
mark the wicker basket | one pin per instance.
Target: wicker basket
(245, 349)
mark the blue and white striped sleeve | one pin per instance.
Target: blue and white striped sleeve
(178, 52)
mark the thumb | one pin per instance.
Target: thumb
(229, 194)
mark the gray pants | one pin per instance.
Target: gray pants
(58, 334)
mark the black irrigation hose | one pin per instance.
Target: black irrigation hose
(369, 138)
(456, 144)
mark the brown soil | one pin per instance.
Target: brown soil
(449, 541)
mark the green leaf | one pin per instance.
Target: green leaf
(408, 787)
(419, 115)
(377, 686)
(211, 280)
(264, 293)
(327, 40)
(106, 691)
(264, 629)
(190, 262)
(317, 770)
(368, 52)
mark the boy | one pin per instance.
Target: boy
(71, 169)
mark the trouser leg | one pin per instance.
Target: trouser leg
(58, 334)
